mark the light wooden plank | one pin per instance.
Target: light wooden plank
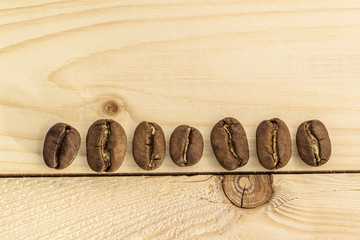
(177, 63)
(302, 207)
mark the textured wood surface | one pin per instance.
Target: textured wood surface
(302, 207)
(177, 63)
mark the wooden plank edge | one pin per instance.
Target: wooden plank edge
(176, 174)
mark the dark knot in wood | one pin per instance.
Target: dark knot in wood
(110, 108)
(248, 191)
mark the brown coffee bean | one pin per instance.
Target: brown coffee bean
(273, 144)
(229, 143)
(149, 145)
(313, 143)
(61, 145)
(105, 145)
(186, 146)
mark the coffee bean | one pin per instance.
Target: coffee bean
(149, 145)
(313, 143)
(61, 145)
(105, 145)
(273, 144)
(229, 143)
(186, 146)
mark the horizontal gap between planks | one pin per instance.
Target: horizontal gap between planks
(172, 174)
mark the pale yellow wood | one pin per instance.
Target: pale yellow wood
(177, 63)
(302, 207)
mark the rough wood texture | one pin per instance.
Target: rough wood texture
(302, 207)
(177, 63)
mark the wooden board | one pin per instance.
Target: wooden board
(177, 63)
(302, 207)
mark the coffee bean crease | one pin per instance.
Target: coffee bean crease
(153, 156)
(227, 128)
(314, 144)
(105, 154)
(275, 145)
(187, 143)
(60, 145)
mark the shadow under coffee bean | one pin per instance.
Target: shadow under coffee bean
(61, 145)
(273, 144)
(313, 143)
(229, 143)
(149, 145)
(105, 145)
(186, 146)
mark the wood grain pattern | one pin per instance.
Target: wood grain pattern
(177, 63)
(302, 207)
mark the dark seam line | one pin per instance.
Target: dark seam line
(174, 174)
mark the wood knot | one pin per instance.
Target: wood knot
(110, 108)
(248, 191)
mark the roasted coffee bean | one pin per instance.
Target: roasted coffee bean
(61, 145)
(229, 142)
(273, 144)
(186, 146)
(313, 143)
(149, 145)
(105, 145)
